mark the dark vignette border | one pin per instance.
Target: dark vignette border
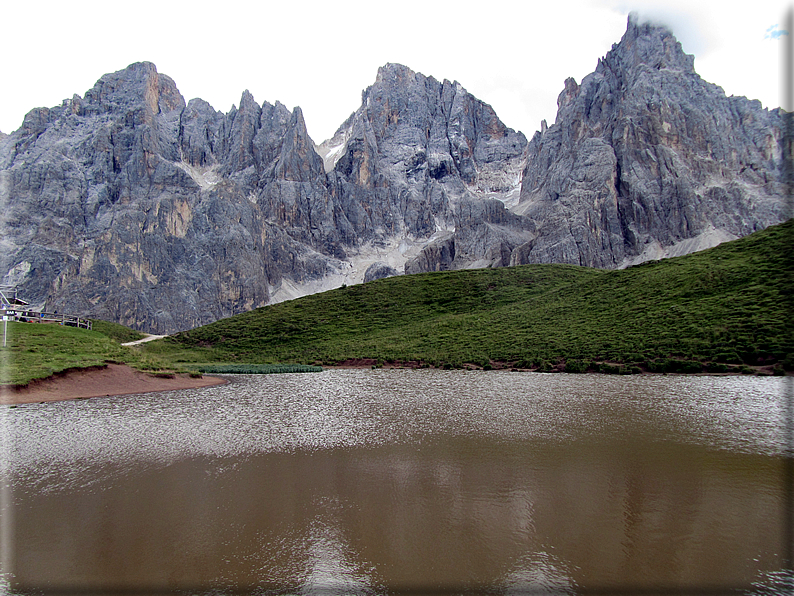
(787, 82)
(787, 554)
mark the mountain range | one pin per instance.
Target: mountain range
(130, 205)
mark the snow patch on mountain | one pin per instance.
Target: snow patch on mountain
(395, 252)
(331, 150)
(709, 238)
(206, 177)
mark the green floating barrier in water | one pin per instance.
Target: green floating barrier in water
(258, 369)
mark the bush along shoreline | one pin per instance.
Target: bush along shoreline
(660, 366)
(256, 369)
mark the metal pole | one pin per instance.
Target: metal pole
(5, 328)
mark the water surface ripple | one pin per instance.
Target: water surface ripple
(377, 481)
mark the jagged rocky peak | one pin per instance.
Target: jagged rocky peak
(252, 144)
(646, 159)
(200, 133)
(413, 149)
(162, 216)
(412, 128)
(647, 55)
(649, 44)
(298, 160)
(138, 83)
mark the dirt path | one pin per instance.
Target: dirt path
(144, 340)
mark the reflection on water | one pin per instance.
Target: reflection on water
(362, 482)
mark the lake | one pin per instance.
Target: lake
(400, 481)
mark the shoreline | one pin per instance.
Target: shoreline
(120, 379)
(100, 381)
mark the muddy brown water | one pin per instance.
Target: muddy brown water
(398, 481)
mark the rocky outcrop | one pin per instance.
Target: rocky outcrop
(379, 270)
(486, 234)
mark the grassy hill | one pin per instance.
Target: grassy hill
(728, 306)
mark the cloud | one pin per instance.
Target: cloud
(774, 33)
(690, 22)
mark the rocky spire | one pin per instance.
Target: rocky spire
(648, 44)
(646, 159)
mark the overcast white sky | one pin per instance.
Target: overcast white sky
(513, 55)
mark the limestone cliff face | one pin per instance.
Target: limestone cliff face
(645, 160)
(129, 204)
(645, 157)
(413, 149)
(485, 235)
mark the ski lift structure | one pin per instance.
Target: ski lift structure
(13, 308)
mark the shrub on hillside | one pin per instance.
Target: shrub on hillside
(575, 366)
(257, 369)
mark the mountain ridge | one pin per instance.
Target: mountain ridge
(132, 205)
(641, 147)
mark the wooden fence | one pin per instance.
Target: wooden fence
(13, 313)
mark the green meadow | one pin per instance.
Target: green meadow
(37, 351)
(724, 309)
